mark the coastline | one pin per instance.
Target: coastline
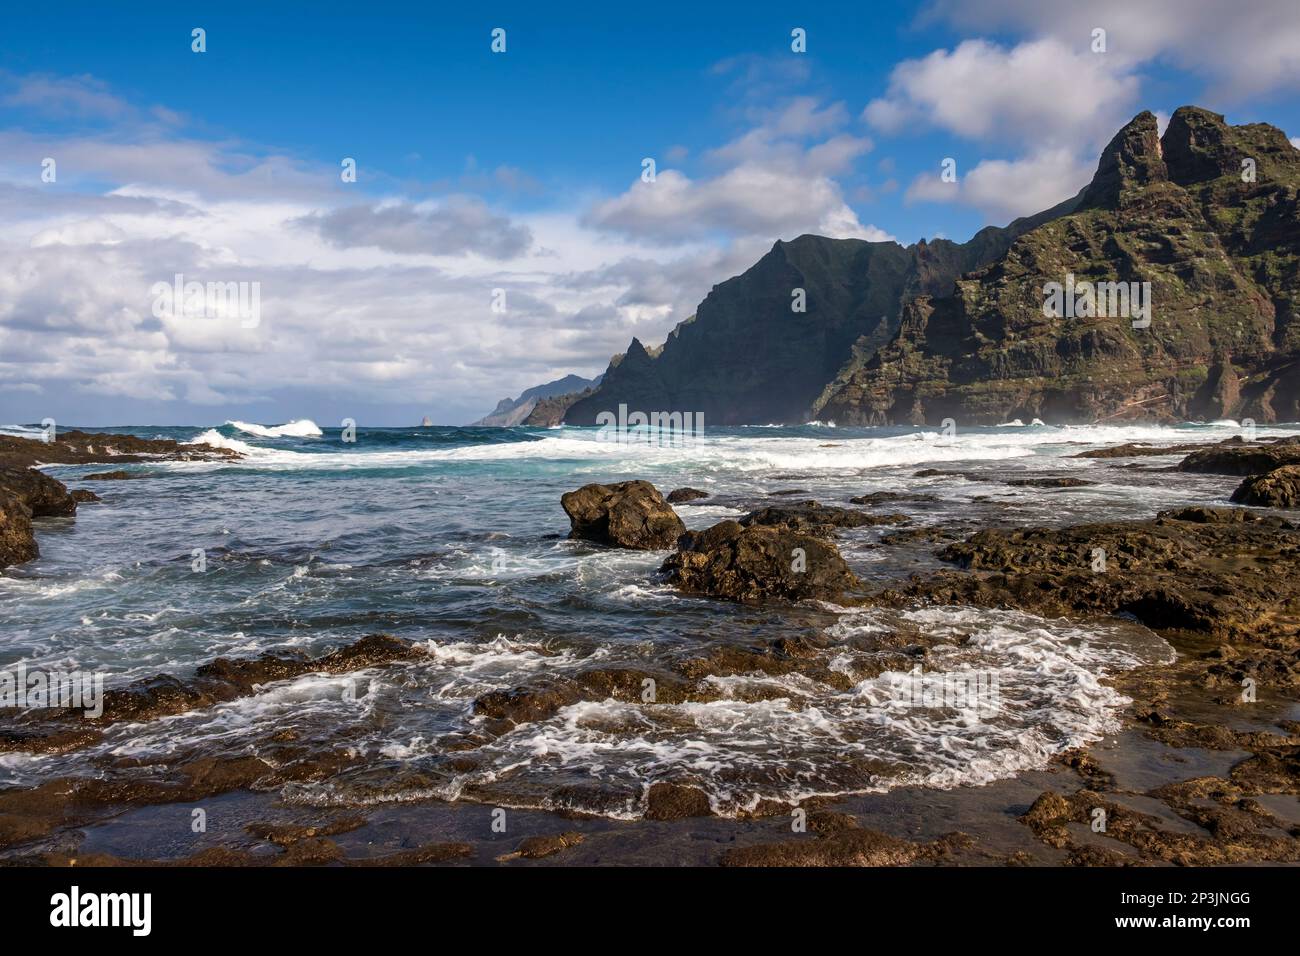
(1178, 782)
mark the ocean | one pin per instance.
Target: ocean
(454, 538)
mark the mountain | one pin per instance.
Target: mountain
(548, 412)
(513, 411)
(1219, 248)
(747, 357)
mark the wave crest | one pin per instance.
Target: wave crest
(298, 428)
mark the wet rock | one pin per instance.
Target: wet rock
(631, 514)
(1223, 571)
(539, 847)
(1051, 482)
(839, 841)
(1279, 488)
(758, 562)
(671, 801)
(1243, 459)
(217, 681)
(814, 518)
(44, 497)
(17, 540)
(26, 493)
(544, 697)
(681, 495)
(1230, 834)
(83, 495)
(83, 448)
(879, 497)
(118, 475)
(1138, 450)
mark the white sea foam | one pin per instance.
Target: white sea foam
(217, 440)
(298, 428)
(745, 453)
(21, 431)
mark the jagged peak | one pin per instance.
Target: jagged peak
(1200, 145)
(1132, 159)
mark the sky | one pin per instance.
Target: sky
(503, 227)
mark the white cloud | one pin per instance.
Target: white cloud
(65, 95)
(776, 180)
(1006, 189)
(1040, 93)
(1243, 49)
(456, 226)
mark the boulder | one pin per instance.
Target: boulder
(17, 543)
(1241, 459)
(1279, 488)
(26, 493)
(758, 562)
(679, 495)
(119, 475)
(630, 514)
(45, 497)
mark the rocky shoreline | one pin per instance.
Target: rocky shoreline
(26, 493)
(1220, 584)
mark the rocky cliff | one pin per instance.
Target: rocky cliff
(748, 356)
(516, 411)
(1205, 219)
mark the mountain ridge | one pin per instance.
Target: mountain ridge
(916, 334)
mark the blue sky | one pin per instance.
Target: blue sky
(519, 172)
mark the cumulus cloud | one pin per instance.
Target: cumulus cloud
(1006, 189)
(1038, 93)
(1242, 49)
(458, 226)
(379, 303)
(776, 180)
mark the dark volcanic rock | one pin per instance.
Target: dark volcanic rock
(118, 475)
(837, 840)
(879, 497)
(631, 514)
(1241, 459)
(671, 801)
(26, 493)
(221, 679)
(815, 518)
(85, 494)
(1228, 572)
(1279, 488)
(1220, 256)
(681, 495)
(745, 357)
(1056, 482)
(549, 412)
(751, 563)
(83, 448)
(17, 542)
(1137, 450)
(44, 496)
